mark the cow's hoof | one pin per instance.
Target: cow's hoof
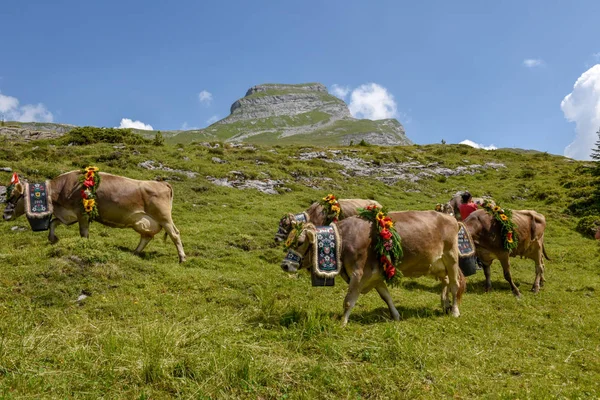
(535, 289)
(53, 240)
(455, 313)
(182, 260)
(517, 295)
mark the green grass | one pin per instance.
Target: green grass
(230, 324)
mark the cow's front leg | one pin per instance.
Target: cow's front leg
(387, 297)
(507, 275)
(84, 226)
(51, 234)
(487, 271)
(352, 295)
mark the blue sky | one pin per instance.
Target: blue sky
(455, 70)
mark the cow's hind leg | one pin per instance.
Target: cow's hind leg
(387, 297)
(450, 262)
(446, 305)
(539, 274)
(507, 275)
(173, 233)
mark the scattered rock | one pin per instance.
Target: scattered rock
(390, 173)
(81, 297)
(186, 158)
(6, 169)
(18, 229)
(267, 186)
(2, 194)
(151, 165)
(119, 146)
(217, 160)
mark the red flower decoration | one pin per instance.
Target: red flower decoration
(88, 183)
(83, 194)
(390, 271)
(386, 234)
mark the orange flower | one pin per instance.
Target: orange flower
(509, 237)
(380, 216)
(335, 208)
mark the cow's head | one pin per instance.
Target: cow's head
(285, 227)
(15, 202)
(298, 244)
(286, 224)
(445, 208)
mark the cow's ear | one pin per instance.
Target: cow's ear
(310, 234)
(19, 189)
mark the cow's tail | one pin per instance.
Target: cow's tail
(544, 252)
(462, 286)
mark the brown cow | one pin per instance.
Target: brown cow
(486, 232)
(598, 233)
(316, 215)
(429, 244)
(144, 206)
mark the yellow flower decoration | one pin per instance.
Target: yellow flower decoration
(496, 208)
(389, 224)
(93, 169)
(335, 208)
(380, 216)
(503, 217)
(509, 240)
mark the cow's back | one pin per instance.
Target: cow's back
(426, 236)
(348, 209)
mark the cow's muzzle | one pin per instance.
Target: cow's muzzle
(9, 212)
(281, 234)
(292, 261)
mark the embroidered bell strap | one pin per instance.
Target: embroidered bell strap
(327, 251)
(302, 217)
(37, 200)
(466, 247)
(293, 258)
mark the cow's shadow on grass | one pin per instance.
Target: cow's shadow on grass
(475, 285)
(382, 314)
(144, 255)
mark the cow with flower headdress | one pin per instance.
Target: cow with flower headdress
(329, 209)
(375, 248)
(115, 201)
(499, 233)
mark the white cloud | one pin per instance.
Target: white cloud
(212, 119)
(186, 127)
(340, 91)
(477, 145)
(127, 123)
(582, 106)
(205, 97)
(372, 101)
(11, 111)
(533, 62)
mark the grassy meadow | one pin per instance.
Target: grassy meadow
(229, 323)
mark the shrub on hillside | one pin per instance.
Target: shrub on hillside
(588, 226)
(90, 135)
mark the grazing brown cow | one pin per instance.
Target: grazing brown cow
(316, 215)
(598, 233)
(486, 232)
(144, 206)
(429, 244)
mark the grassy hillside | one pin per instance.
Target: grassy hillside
(230, 324)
